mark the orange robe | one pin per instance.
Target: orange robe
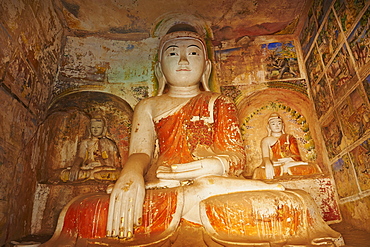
(207, 121)
(286, 147)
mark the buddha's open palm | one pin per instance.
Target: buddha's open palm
(126, 205)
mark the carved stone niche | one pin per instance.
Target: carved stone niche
(58, 143)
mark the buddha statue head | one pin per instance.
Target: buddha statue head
(182, 37)
(275, 124)
(98, 127)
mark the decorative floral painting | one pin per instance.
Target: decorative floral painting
(359, 40)
(281, 61)
(347, 11)
(329, 38)
(361, 160)
(340, 71)
(344, 175)
(322, 97)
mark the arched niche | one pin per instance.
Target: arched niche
(298, 115)
(67, 123)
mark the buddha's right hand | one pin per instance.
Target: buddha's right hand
(73, 173)
(269, 169)
(126, 205)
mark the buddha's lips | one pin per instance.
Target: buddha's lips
(183, 70)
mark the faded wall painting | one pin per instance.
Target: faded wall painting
(341, 72)
(361, 160)
(333, 136)
(359, 40)
(347, 11)
(366, 84)
(314, 66)
(239, 65)
(308, 33)
(281, 61)
(344, 175)
(329, 38)
(321, 7)
(321, 97)
(354, 115)
(123, 68)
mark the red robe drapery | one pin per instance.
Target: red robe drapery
(207, 121)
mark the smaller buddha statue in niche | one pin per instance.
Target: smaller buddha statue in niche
(280, 153)
(97, 156)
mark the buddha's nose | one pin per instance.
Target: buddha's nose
(183, 59)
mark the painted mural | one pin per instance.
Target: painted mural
(354, 114)
(347, 11)
(333, 136)
(281, 61)
(344, 175)
(340, 72)
(322, 97)
(241, 65)
(123, 68)
(314, 66)
(307, 35)
(321, 7)
(366, 84)
(359, 40)
(361, 160)
(329, 38)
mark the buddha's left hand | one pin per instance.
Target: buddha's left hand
(192, 170)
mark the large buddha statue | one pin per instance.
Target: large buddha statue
(280, 153)
(181, 184)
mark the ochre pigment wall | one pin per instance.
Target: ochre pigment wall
(30, 41)
(335, 42)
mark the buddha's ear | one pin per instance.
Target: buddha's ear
(160, 78)
(268, 130)
(206, 74)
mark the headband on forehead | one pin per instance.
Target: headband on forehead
(181, 35)
(274, 116)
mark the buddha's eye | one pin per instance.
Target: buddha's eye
(193, 53)
(172, 54)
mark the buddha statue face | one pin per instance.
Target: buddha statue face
(97, 127)
(276, 125)
(183, 62)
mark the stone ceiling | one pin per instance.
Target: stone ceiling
(137, 19)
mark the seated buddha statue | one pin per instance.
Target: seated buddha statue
(97, 156)
(182, 183)
(280, 153)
